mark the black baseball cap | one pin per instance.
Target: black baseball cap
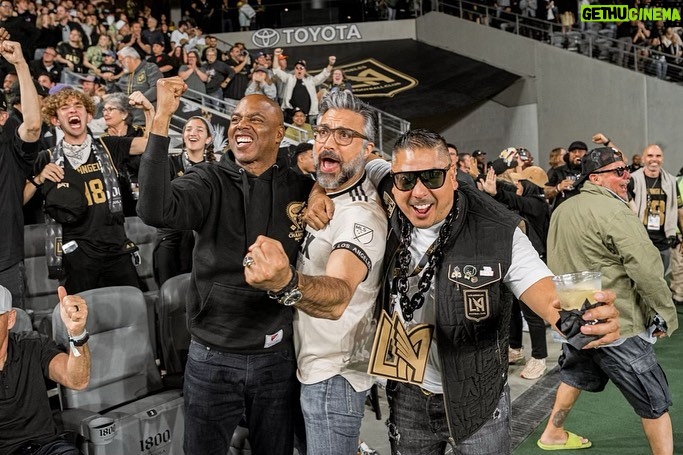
(65, 201)
(597, 158)
(477, 153)
(302, 148)
(577, 145)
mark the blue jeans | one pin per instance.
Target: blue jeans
(13, 278)
(418, 425)
(220, 388)
(333, 411)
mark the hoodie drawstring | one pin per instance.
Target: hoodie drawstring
(272, 198)
(245, 203)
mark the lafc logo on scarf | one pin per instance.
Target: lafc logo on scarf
(400, 354)
(294, 214)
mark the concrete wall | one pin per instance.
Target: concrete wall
(493, 127)
(575, 96)
(354, 33)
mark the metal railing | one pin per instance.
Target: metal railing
(389, 127)
(314, 12)
(593, 39)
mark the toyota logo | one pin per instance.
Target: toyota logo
(266, 37)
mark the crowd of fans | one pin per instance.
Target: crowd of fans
(110, 53)
(94, 43)
(653, 47)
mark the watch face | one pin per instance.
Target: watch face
(292, 297)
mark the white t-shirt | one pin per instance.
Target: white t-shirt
(324, 347)
(525, 270)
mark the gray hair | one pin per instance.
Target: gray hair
(129, 52)
(344, 99)
(120, 101)
(422, 139)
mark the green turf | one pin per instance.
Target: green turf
(610, 423)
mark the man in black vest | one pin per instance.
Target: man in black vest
(467, 300)
(453, 262)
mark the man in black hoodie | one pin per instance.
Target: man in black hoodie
(241, 359)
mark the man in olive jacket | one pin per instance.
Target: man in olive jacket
(597, 231)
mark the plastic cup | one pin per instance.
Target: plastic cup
(575, 288)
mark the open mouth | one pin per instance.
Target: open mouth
(421, 210)
(329, 165)
(243, 141)
(75, 121)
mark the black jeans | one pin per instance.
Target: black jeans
(539, 345)
(220, 388)
(84, 273)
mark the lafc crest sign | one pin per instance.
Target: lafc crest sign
(370, 78)
(398, 353)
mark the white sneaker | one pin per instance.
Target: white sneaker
(534, 369)
(515, 356)
(364, 449)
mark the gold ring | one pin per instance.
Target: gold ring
(248, 261)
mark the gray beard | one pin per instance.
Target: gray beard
(348, 171)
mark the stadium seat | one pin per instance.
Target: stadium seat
(23, 322)
(40, 295)
(144, 237)
(174, 338)
(41, 292)
(124, 408)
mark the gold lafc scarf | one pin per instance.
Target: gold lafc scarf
(400, 350)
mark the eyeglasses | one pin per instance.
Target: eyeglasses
(619, 170)
(432, 179)
(109, 109)
(342, 136)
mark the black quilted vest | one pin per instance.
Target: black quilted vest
(473, 306)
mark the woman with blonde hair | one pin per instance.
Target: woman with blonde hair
(556, 157)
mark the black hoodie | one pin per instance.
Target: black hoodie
(228, 208)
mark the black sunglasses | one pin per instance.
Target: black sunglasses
(619, 170)
(431, 178)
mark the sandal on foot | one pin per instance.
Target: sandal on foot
(573, 442)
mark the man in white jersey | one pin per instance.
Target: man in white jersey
(337, 279)
(459, 259)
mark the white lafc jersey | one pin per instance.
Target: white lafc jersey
(359, 225)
